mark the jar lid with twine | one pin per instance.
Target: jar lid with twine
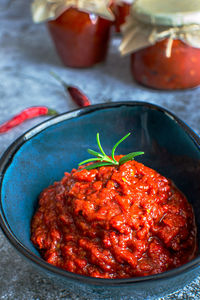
(46, 10)
(151, 21)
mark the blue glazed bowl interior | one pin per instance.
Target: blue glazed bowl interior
(42, 155)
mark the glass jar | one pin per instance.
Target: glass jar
(151, 67)
(81, 39)
(163, 40)
(121, 11)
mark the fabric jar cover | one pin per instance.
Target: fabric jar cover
(45, 10)
(151, 21)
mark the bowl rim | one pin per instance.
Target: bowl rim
(6, 160)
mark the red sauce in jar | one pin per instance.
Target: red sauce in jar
(151, 66)
(80, 40)
(121, 11)
(114, 222)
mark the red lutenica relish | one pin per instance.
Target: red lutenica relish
(114, 222)
(151, 67)
(121, 12)
(80, 40)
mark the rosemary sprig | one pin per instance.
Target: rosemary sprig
(101, 159)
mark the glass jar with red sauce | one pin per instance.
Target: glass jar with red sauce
(121, 11)
(81, 39)
(80, 29)
(165, 44)
(151, 66)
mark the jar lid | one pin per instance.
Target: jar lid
(45, 10)
(168, 12)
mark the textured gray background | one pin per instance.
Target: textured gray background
(27, 56)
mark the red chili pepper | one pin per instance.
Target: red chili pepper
(26, 114)
(77, 96)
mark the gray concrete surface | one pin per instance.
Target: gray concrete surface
(27, 56)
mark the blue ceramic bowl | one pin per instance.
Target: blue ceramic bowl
(43, 154)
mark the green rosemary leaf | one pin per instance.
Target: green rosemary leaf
(99, 144)
(102, 158)
(89, 160)
(116, 145)
(105, 160)
(97, 165)
(129, 156)
(90, 151)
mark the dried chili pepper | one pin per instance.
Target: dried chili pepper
(26, 114)
(77, 96)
